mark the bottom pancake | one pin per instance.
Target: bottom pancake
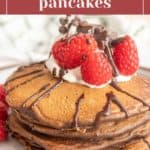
(106, 130)
(52, 143)
(140, 144)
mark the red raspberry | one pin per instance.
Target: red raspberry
(3, 111)
(2, 93)
(2, 123)
(96, 69)
(3, 132)
(126, 56)
(69, 53)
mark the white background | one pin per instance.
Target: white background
(25, 39)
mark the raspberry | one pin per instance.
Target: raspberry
(3, 111)
(70, 53)
(126, 56)
(96, 69)
(2, 93)
(3, 115)
(3, 132)
(2, 123)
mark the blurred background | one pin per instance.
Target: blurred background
(25, 39)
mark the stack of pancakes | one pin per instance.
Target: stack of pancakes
(52, 114)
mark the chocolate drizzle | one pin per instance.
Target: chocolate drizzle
(62, 72)
(46, 93)
(30, 65)
(146, 142)
(111, 98)
(116, 41)
(114, 99)
(34, 94)
(76, 115)
(129, 134)
(26, 81)
(107, 108)
(24, 75)
(54, 72)
(110, 58)
(114, 85)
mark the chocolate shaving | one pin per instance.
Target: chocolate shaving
(63, 29)
(84, 28)
(63, 21)
(100, 34)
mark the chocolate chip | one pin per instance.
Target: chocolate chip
(96, 30)
(76, 21)
(63, 21)
(63, 29)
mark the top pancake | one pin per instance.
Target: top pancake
(58, 108)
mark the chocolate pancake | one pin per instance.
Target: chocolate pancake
(50, 143)
(46, 116)
(33, 91)
(106, 129)
(141, 143)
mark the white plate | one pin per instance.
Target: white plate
(11, 144)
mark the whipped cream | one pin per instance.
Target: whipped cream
(74, 75)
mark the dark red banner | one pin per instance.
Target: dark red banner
(2, 6)
(23, 6)
(147, 6)
(45, 7)
(75, 7)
